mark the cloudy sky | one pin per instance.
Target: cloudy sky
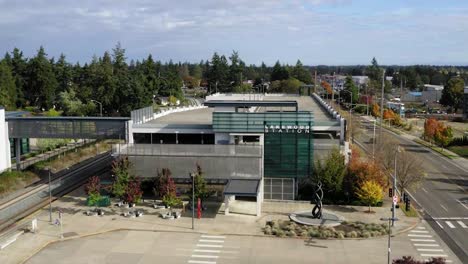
(315, 31)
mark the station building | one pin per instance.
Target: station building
(256, 145)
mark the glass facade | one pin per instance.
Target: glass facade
(288, 150)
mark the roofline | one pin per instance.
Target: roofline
(65, 118)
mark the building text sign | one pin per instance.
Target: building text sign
(287, 129)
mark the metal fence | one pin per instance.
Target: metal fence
(70, 178)
(142, 115)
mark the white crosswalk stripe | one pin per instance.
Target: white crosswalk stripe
(209, 249)
(462, 224)
(427, 248)
(450, 224)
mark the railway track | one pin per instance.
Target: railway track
(17, 208)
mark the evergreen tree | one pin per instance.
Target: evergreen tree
(19, 64)
(7, 87)
(452, 95)
(279, 72)
(301, 73)
(41, 82)
(218, 73)
(351, 89)
(235, 69)
(64, 73)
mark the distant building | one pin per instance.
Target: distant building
(360, 80)
(412, 97)
(431, 93)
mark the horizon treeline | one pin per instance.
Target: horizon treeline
(46, 83)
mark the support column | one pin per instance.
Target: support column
(17, 142)
(227, 200)
(259, 203)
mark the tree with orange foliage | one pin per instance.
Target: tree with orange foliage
(388, 114)
(327, 87)
(437, 132)
(375, 110)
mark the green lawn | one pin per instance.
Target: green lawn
(411, 213)
(460, 150)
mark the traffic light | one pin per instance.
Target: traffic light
(407, 204)
(390, 192)
(405, 197)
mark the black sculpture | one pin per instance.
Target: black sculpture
(317, 211)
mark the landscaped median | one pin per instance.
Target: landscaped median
(435, 148)
(284, 228)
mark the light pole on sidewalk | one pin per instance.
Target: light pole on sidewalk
(394, 185)
(50, 199)
(192, 176)
(389, 235)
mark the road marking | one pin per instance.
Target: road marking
(207, 250)
(204, 256)
(433, 255)
(212, 246)
(415, 235)
(430, 250)
(450, 224)
(444, 208)
(460, 202)
(419, 231)
(450, 218)
(426, 245)
(424, 190)
(423, 240)
(211, 241)
(441, 226)
(462, 224)
(201, 262)
(209, 236)
(421, 227)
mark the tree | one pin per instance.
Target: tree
(93, 190)
(235, 69)
(133, 191)
(327, 87)
(201, 191)
(72, 106)
(437, 132)
(41, 82)
(370, 193)
(7, 87)
(331, 172)
(63, 73)
(301, 73)
(410, 172)
(452, 94)
(19, 68)
(375, 110)
(352, 90)
(121, 174)
(218, 72)
(279, 72)
(166, 184)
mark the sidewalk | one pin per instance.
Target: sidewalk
(77, 224)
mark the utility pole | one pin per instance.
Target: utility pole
(333, 88)
(389, 249)
(373, 142)
(381, 105)
(394, 185)
(315, 82)
(192, 176)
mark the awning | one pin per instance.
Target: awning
(240, 187)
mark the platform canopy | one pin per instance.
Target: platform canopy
(242, 187)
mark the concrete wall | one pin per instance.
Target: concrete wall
(5, 160)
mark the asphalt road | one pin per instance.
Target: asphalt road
(170, 247)
(443, 196)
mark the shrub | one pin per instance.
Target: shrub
(291, 233)
(278, 232)
(303, 233)
(325, 233)
(352, 234)
(366, 234)
(313, 233)
(267, 230)
(340, 234)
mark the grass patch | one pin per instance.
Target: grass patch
(281, 228)
(411, 213)
(435, 148)
(14, 180)
(462, 151)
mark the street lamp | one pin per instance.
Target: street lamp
(394, 184)
(381, 104)
(100, 105)
(50, 199)
(389, 229)
(192, 176)
(350, 107)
